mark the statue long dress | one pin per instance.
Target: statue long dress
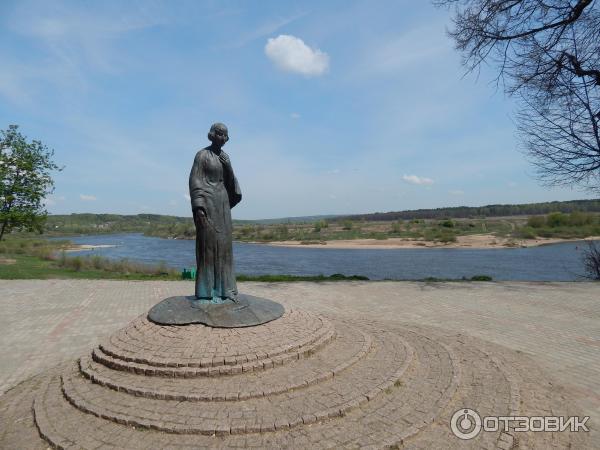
(214, 189)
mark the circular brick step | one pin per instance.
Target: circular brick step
(198, 346)
(333, 397)
(191, 371)
(448, 372)
(349, 346)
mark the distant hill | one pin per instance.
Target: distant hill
(301, 219)
(526, 209)
(183, 226)
(109, 223)
(87, 223)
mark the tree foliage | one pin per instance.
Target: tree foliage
(24, 181)
(548, 55)
(457, 212)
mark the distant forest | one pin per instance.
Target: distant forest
(459, 212)
(156, 224)
(113, 223)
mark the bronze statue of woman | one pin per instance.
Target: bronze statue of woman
(214, 190)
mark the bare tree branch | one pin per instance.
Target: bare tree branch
(547, 53)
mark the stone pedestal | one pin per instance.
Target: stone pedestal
(247, 311)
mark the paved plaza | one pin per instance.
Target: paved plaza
(506, 347)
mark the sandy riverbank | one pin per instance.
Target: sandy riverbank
(79, 247)
(470, 241)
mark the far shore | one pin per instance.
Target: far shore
(474, 241)
(80, 247)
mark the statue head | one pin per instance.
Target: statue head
(218, 134)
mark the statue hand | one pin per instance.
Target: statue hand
(199, 212)
(224, 158)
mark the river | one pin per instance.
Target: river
(557, 262)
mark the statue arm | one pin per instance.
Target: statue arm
(235, 193)
(196, 183)
(231, 184)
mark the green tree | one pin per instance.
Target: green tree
(320, 224)
(536, 222)
(557, 219)
(24, 181)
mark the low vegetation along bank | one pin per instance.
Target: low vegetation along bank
(25, 258)
(510, 231)
(575, 225)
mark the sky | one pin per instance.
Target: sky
(333, 107)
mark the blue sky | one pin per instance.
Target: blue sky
(333, 107)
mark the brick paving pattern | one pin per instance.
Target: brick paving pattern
(349, 365)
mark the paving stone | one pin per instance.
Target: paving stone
(335, 380)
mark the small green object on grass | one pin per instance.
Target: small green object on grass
(188, 274)
(481, 278)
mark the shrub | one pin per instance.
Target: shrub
(247, 230)
(481, 278)
(161, 269)
(526, 233)
(46, 253)
(76, 263)
(447, 223)
(62, 259)
(267, 236)
(347, 225)
(320, 225)
(446, 237)
(443, 235)
(122, 266)
(557, 219)
(97, 262)
(545, 233)
(536, 221)
(339, 276)
(579, 219)
(283, 231)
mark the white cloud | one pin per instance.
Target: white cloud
(512, 184)
(413, 179)
(457, 192)
(291, 54)
(295, 115)
(187, 196)
(87, 198)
